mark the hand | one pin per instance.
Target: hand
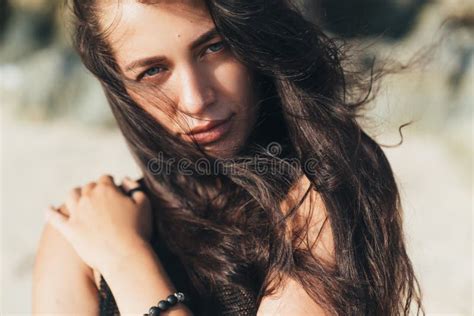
(104, 225)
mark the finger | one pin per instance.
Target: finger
(57, 220)
(64, 210)
(138, 196)
(106, 179)
(85, 190)
(72, 200)
(126, 184)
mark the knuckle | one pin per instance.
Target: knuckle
(63, 209)
(92, 184)
(87, 189)
(105, 177)
(74, 191)
(103, 188)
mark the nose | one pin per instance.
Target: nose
(197, 93)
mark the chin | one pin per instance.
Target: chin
(223, 149)
(222, 153)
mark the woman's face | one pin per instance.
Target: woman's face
(172, 47)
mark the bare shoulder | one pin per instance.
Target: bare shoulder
(312, 219)
(290, 299)
(62, 283)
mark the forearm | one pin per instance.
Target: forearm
(139, 281)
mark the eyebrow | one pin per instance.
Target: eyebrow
(203, 38)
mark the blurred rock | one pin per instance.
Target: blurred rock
(52, 83)
(5, 11)
(357, 18)
(29, 28)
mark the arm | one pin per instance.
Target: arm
(109, 231)
(62, 283)
(138, 281)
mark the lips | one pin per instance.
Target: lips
(207, 127)
(211, 132)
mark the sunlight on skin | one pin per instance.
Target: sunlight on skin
(204, 83)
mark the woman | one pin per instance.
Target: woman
(262, 194)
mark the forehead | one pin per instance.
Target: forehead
(138, 30)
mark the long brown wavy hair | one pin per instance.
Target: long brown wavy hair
(228, 226)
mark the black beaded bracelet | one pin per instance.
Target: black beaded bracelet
(163, 305)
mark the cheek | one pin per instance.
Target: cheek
(156, 107)
(235, 82)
